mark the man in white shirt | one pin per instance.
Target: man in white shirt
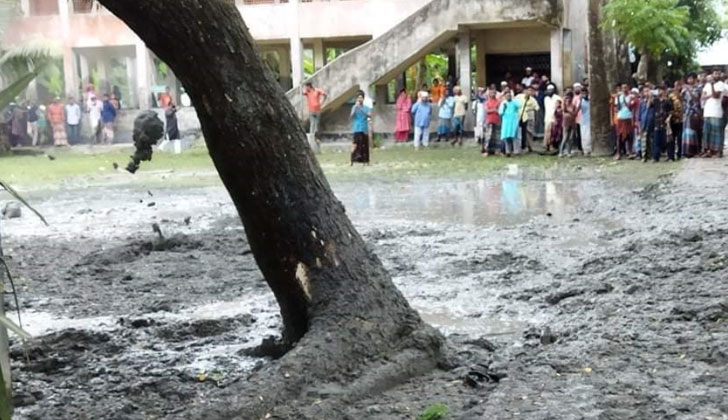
(549, 102)
(713, 128)
(73, 121)
(94, 117)
(527, 81)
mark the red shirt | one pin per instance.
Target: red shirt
(313, 99)
(491, 111)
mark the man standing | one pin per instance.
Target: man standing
(549, 102)
(108, 116)
(676, 120)
(94, 117)
(625, 128)
(713, 129)
(421, 112)
(527, 121)
(647, 122)
(33, 123)
(461, 106)
(73, 121)
(315, 98)
(492, 122)
(527, 80)
(663, 109)
(57, 118)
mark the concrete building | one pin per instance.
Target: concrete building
(340, 45)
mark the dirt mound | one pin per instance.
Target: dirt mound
(135, 250)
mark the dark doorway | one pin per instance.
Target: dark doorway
(497, 65)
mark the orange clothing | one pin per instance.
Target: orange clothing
(56, 115)
(313, 99)
(437, 92)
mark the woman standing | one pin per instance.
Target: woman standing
(360, 115)
(509, 112)
(403, 125)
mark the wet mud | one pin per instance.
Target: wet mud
(567, 299)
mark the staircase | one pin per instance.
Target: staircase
(385, 57)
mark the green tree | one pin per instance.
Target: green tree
(704, 27)
(654, 27)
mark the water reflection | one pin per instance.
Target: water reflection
(484, 202)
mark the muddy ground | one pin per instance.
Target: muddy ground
(595, 298)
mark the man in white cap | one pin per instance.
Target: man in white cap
(94, 117)
(528, 79)
(549, 102)
(503, 89)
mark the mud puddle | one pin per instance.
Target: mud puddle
(596, 300)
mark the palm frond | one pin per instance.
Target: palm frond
(9, 93)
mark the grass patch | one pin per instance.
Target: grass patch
(84, 166)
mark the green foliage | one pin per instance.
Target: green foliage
(434, 412)
(52, 78)
(653, 26)
(431, 67)
(20, 65)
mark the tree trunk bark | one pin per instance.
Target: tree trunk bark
(598, 84)
(339, 307)
(643, 67)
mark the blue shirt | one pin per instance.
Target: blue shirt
(647, 116)
(422, 112)
(623, 110)
(447, 108)
(108, 112)
(359, 122)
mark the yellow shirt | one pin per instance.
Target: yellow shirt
(530, 107)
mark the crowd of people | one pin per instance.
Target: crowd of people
(59, 123)
(686, 119)
(649, 122)
(508, 118)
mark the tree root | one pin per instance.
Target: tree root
(323, 375)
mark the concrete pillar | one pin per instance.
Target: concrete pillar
(70, 80)
(465, 71)
(131, 100)
(84, 69)
(25, 7)
(284, 55)
(319, 54)
(142, 74)
(63, 12)
(464, 65)
(557, 58)
(103, 71)
(296, 62)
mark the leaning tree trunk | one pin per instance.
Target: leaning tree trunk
(598, 85)
(341, 312)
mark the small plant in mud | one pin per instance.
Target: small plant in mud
(434, 412)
